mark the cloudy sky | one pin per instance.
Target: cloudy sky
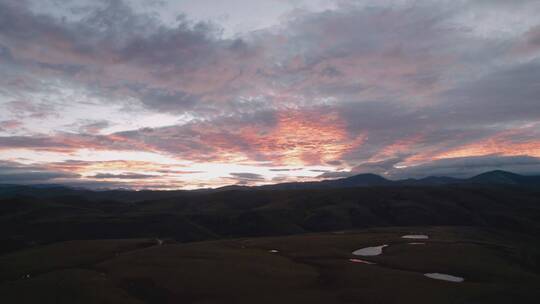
(186, 94)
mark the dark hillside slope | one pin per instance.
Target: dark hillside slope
(190, 216)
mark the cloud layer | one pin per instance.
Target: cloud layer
(392, 87)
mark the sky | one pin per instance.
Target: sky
(163, 94)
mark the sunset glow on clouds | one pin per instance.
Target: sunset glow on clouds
(166, 95)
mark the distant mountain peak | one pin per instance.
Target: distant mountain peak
(366, 176)
(497, 177)
(499, 172)
(369, 174)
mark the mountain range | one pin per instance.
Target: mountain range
(496, 177)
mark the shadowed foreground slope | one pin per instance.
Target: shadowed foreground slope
(312, 268)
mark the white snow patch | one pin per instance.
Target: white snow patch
(361, 261)
(416, 236)
(370, 251)
(444, 277)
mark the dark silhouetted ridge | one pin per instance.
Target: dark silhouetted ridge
(503, 177)
(364, 179)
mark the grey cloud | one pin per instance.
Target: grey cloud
(31, 177)
(26, 108)
(505, 95)
(100, 185)
(285, 169)
(112, 49)
(383, 167)
(110, 34)
(10, 125)
(66, 69)
(247, 176)
(65, 142)
(335, 163)
(335, 174)
(13, 172)
(94, 126)
(9, 142)
(206, 140)
(243, 178)
(122, 176)
(168, 101)
(533, 37)
(387, 51)
(88, 126)
(379, 167)
(5, 53)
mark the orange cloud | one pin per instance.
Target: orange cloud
(405, 145)
(115, 165)
(303, 138)
(492, 146)
(504, 144)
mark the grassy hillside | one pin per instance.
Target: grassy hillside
(497, 267)
(26, 220)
